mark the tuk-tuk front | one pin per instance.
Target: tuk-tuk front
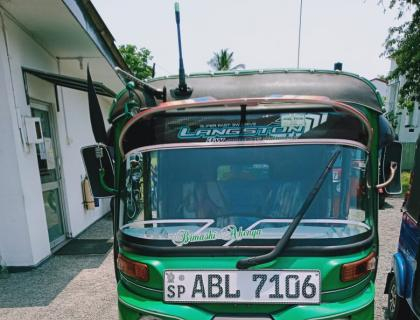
(232, 206)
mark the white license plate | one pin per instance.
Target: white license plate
(244, 286)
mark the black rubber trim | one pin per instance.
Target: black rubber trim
(296, 247)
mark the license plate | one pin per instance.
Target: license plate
(244, 286)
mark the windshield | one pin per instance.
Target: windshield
(229, 194)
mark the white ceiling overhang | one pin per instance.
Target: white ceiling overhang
(68, 30)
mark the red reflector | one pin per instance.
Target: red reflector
(355, 270)
(132, 268)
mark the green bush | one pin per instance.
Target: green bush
(405, 181)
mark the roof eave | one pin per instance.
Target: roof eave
(91, 22)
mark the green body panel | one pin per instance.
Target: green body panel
(329, 266)
(131, 290)
(360, 306)
(338, 299)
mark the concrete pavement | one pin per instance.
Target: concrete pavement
(83, 287)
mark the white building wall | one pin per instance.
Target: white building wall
(408, 128)
(409, 125)
(23, 228)
(80, 134)
(383, 89)
(12, 217)
(27, 224)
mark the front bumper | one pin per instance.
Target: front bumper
(358, 307)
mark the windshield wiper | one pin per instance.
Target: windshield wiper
(281, 245)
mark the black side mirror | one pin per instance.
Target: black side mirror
(100, 170)
(390, 174)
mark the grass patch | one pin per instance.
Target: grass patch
(405, 181)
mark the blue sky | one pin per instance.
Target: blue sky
(261, 33)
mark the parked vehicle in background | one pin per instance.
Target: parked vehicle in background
(403, 281)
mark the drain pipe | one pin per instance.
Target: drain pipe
(66, 129)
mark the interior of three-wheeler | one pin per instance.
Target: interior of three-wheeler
(247, 166)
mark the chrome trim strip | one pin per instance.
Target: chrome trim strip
(335, 221)
(147, 312)
(366, 279)
(248, 143)
(139, 285)
(410, 216)
(260, 107)
(207, 223)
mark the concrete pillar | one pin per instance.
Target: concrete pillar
(14, 238)
(22, 228)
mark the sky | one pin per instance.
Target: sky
(261, 33)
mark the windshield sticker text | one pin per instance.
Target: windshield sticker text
(231, 232)
(288, 126)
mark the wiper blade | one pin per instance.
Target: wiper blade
(281, 244)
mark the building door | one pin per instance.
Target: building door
(49, 170)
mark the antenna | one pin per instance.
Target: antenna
(300, 29)
(183, 91)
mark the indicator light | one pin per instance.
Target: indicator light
(354, 270)
(137, 270)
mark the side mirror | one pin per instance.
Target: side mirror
(100, 170)
(390, 175)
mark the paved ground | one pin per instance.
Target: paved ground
(64, 287)
(389, 230)
(83, 287)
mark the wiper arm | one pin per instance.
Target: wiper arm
(281, 244)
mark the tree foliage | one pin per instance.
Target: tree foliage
(403, 45)
(137, 60)
(221, 60)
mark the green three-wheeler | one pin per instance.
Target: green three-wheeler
(244, 195)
